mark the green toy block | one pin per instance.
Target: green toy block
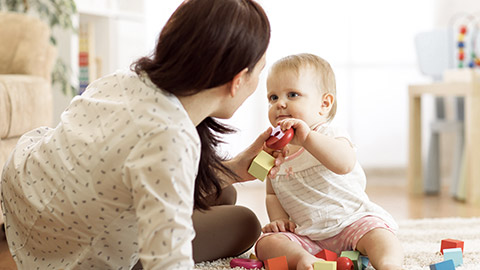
(454, 254)
(261, 165)
(325, 265)
(355, 257)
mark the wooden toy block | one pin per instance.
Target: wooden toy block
(278, 263)
(327, 255)
(454, 254)
(445, 265)
(325, 265)
(451, 243)
(355, 257)
(261, 165)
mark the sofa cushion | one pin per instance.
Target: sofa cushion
(27, 50)
(26, 103)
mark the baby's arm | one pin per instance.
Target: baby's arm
(337, 154)
(279, 219)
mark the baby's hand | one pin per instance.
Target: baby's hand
(280, 225)
(301, 129)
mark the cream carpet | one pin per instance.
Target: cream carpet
(421, 242)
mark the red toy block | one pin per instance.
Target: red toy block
(451, 243)
(327, 255)
(278, 263)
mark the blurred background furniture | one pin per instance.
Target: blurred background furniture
(435, 55)
(26, 63)
(456, 83)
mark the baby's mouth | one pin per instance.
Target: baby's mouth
(281, 117)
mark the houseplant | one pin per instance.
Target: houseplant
(57, 14)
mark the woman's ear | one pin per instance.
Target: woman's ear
(237, 81)
(327, 103)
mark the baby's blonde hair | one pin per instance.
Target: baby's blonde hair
(326, 77)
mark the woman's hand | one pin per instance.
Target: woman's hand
(300, 127)
(280, 225)
(242, 161)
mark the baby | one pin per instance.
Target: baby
(317, 200)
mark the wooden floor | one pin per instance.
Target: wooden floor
(384, 188)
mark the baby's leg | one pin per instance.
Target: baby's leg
(383, 249)
(277, 244)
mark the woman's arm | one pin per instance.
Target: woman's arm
(240, 163)
(162, 193)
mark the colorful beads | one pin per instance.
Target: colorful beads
(461, 45)
(473, 61)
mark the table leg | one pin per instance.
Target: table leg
(472, 141)
(415, 173)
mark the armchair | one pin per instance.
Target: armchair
(26, 63)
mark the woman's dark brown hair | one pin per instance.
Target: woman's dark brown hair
(204, 44)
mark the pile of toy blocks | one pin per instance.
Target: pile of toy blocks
(348, 260)
(452, 251)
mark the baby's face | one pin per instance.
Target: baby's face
(292, 96)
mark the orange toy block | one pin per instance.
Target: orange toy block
(451, 243)
(278, 263)
(327, 255)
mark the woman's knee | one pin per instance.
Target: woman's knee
(224, 231)
(246, 221)
(228, 196)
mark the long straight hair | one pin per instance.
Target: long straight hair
(204, 44)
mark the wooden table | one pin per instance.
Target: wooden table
(467, 86)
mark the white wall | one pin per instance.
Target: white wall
(369, 44)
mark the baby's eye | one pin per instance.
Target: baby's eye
(272, 98)
(292, 94)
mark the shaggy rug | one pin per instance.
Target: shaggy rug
(421, 242)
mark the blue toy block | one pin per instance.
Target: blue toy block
(445, 265)
(365, 261)
(454, 254)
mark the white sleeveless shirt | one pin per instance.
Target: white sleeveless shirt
(321, 202)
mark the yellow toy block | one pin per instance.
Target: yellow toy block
(261, 165)
(325, 265)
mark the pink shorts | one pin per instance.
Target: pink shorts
(345, 240)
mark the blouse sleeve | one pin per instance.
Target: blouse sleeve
(161, 171)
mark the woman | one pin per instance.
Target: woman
(119, 177)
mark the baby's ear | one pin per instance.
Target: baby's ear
(326, 103)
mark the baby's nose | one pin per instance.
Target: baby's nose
(281, 103)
